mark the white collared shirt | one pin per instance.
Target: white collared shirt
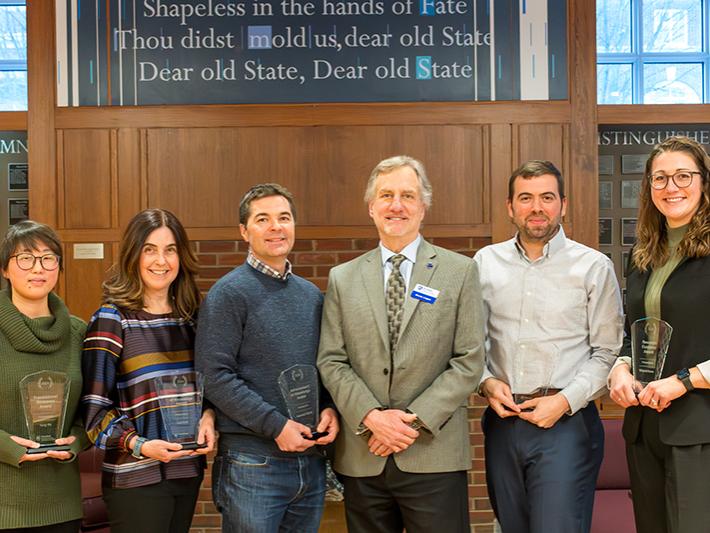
(405, 268)
(555, 321)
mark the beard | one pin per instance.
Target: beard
(539, 232)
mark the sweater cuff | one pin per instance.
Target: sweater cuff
(274, 424)
(10, 451)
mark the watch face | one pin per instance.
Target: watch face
(683, 373)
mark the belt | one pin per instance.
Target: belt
(539, 393)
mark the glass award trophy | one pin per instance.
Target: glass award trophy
(44, 398)
(532, 368)
(180, 399)
(650, 338)
(299, 388)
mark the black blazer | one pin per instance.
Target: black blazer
(685, 305)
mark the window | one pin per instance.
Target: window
(13, 56)
(653, 51)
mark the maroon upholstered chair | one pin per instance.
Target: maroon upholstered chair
(95, 512)
(613, 510)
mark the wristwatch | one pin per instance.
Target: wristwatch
(684, 376)
(140, 441)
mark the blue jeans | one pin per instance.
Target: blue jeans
(264, 494)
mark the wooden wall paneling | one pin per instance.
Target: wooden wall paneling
(346, 114)
(540, 141)
(583, 121)
(326, 168)
(201, 174)
(13, 120)
(452, 155)
(89, 179)
(129, 178)
(113, 177)
(59, 201)
(486, 184)
(143, 161)
(567, 164)
(83, 279)
(653, 114)
(40, 116)
(501, 165)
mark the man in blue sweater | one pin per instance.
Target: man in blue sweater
(256, 322)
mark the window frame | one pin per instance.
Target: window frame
(638, 58)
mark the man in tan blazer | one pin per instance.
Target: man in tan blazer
(401, 350)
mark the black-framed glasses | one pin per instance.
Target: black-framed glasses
(27, 261)
(682, 179)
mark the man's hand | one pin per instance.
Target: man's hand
(623, 386)
(291, 438)
(546, 410)
(390, 427)
(377, 448)
(659, 394)
(206, 433)
(49, 454)
(499, 397)
(328, 422)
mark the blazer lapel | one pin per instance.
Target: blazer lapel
(423, 271)
(374, 281)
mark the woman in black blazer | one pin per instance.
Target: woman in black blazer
(667, 423)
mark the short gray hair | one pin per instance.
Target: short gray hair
(393, 163)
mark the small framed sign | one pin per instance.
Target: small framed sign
(17, 179)
(628, 231)
(17, 210)
(606, 231)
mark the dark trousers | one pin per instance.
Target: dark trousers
(165, 507)
(543, 480)
(393, 500)
(63, 527)
(669, 483)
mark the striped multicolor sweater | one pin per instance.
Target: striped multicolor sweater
(123, 352)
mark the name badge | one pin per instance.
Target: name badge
(424, 293)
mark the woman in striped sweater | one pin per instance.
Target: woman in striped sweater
(145, 330)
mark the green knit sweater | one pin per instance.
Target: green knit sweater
(34, 494)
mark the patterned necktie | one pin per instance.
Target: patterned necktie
(395, 299)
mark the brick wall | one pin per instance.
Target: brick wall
(313, 259)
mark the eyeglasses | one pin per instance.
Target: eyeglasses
(27, 261)
(682, 179)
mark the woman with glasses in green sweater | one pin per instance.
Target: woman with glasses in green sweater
(41, 491)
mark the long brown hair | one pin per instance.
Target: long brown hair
(651, 250)
(125, 287)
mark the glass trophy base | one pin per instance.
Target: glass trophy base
(192, 445)
(44, 448)
(315, 435)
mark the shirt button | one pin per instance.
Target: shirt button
(528, 293)
(526, 320)
(386, 371)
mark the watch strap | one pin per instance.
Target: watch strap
(137, 445)
(684, 376)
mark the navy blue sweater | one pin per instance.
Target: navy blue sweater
(251, 327)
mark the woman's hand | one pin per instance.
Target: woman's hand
(162, 450)
(206, 433)
(659, 394)
(622, 390)
(49, 454)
